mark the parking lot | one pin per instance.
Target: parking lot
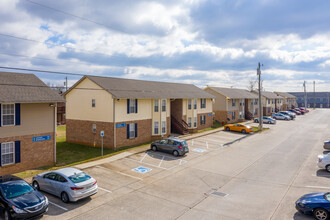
(226, 175)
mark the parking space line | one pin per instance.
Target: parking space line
(125, 174)
(105, 190)
(318, 187)
(58, 206)
(145, 163)
(160, 163)
(144, 157)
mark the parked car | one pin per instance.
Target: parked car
(290, 114)
(281, 116)
(266, 120)
(326, 145)
(20, 200)
(304, 109)
(238, 127)
(316, 204)
(295, 111)
(324, 162)
(69, 184)
(301, 110)
(174, 146)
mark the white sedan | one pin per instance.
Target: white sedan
(324, 162)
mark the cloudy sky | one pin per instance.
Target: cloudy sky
(215, 43)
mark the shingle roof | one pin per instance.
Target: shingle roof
(235, 93)
(285, 94)
(130, 88)
(269, 95)
(25, 88)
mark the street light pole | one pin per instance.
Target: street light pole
(260, 101)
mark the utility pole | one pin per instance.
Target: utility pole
(314, 94)
(305, 94)
(66, 83)
(260, 101)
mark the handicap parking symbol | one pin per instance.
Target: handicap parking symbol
(142, 169)
(198, 150)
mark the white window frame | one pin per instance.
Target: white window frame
(2, 153)
(195, 122)
(2, 114)
(156, 105)
(163, 127)
(189, 122)
(156, 125)
(233, 102)
(132, 130)
(189, 104)
(203, 121)
(195, 103)
(203, 103)
(132, 106)
(163, 105)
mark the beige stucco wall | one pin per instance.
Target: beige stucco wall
(144, 110)
(220, 103)
(208, 106)
(231, 107)
(35, 119)
(160, 116)
(79, 103)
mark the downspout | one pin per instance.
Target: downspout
(55, 127)
(114, 124)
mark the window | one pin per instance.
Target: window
(50, 176)
(60, 178)
(7, 153)
(202, 119)
(132, 106)
(272, 101)
(164, 105)
(8, 114)
(256, 101)
(189, 103)
(163, 127)
(156, 105)
(189, 122)
(94, 128)
(195, 103)
(93, 103)
(195, 122)
(233, 102)
(240, 114)
(233, 115)
(156, 127)
(132, 130)
(268, 101)
(203, 103)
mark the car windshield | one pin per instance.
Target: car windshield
(15, 188)
(184, 143)
(79, 177)
(327, 196)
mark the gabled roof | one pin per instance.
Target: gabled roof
(141, 89)
(25, 88)
(285, 94)
(269, 95)
(234, 93)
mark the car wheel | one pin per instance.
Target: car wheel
(35, 184)
(7, 215)
(269, 122)
(286, 119)
(328, 168)
(321, 214)
(227, 129)
(243, 131)
(65, 197)
(175, 153)
(154, 148)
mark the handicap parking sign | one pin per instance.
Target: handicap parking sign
(142, 169)
(198, 150)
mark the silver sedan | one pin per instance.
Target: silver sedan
(69, 184)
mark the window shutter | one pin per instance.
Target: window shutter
(17, 114)
(201, 103)
(136, 106)
(127, 106)
(127, 131)
(17, 151)
(135, 129)
(0, 126)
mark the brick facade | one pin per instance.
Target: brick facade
(208, 121)
(221, 116)
(80, 132)
(229, 115)
(267, 111)
(33, 154)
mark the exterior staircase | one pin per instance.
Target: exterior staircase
(180, 127)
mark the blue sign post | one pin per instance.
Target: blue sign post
(42, 138)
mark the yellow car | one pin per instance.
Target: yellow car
(238, 127)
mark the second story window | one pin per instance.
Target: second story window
(132, 106)
(156, 105)
(8, 114)
(268, 101)
(189, 103)
(164, 105)
(195, 103)
(93, 103)
(233, 101)
(203, 103)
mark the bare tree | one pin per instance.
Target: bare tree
(252, 85)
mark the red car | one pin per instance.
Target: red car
(295, 111)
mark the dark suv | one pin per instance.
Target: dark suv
(18, 199)
(174, 146)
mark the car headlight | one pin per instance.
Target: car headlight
(18, 211)
(46, 200)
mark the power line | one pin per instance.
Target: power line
(43, 71)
